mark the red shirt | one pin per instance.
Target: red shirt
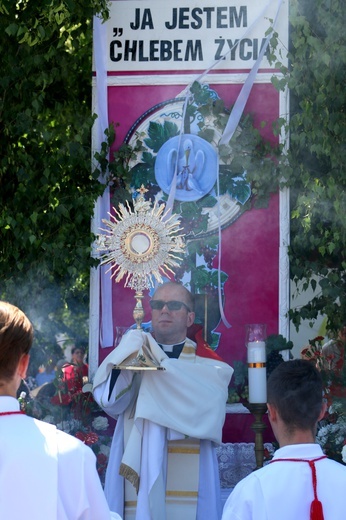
(73, 376)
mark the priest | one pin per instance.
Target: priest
(168, 420)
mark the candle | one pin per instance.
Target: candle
(257, 372)
(256, 352)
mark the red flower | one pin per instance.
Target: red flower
(338, 390)
(91, 438)
(266, 454)
(101, 462)
(88, 438)
(81, 436)
(61, 399)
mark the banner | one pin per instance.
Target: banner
(176, 76)
(158, 37)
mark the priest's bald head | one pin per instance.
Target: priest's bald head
(172, 313)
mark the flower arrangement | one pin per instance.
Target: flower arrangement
(329, 358)
(73, 411)
(331, 434)
(313, 352)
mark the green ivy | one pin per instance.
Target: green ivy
(314, 167)
(47, 188)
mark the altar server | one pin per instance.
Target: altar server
(159, 412)
(300, 482)
(45, 474)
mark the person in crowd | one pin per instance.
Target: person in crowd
(152, 407)
(46, 374)
(333, 350)
(300, 482)
(75, 374)
(44, 473)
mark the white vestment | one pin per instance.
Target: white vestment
(187, 399)
(284, 490)
(46, 474)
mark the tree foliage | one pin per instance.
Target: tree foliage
(314, 167)
(47, 189)
(317, 156)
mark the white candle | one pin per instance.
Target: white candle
(257, 372)
(256, 352)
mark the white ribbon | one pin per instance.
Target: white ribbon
(103, 203)
(243, 96)
(222, 312)
(171, 196)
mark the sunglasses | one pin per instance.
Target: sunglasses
(173, 305)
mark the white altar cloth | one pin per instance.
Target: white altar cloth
(236, 461)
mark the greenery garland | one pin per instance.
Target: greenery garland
(132, 166)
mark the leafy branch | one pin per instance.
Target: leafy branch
(314, 166)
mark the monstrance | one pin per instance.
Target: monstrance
(142, 244)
